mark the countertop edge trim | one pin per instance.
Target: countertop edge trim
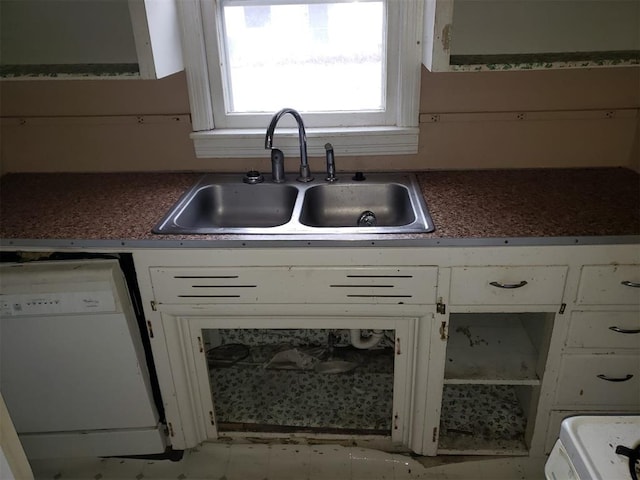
(17, 243)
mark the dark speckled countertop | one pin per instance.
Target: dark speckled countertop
(558, 206)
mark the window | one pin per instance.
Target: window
(351, 68)
(322, 58)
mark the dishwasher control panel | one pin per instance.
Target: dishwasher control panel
(59, 303)
(59, 288)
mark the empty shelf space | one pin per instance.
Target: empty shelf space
(272, 380)
(490, 348)
(258, 399)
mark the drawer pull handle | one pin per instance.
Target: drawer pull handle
(628, 376)
(509, 285)
(624, 330)
(630, 284)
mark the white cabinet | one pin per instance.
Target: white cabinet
(242, 340)
(529, 335)
(600, 356)
(494, 370)
(475, 35)
(81, 39)
(501, 319)
(492, 345)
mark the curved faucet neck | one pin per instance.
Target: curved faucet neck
(305, 174)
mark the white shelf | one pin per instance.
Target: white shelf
(487, 349)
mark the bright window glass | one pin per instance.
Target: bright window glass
(315, 56)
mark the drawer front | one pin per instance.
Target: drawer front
(271, 285)
(617, 330)
(507, 285)
(609, 285)
(612, 380)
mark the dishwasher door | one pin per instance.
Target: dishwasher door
(72, 366)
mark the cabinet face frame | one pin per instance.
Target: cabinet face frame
(431, 348)
(528, 391)
(176, 365)
(403, 359)
(539, 284)
(186, 388)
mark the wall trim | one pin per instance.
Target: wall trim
(607, 114)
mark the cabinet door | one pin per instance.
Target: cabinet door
(157, 37)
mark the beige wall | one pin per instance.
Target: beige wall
(522, 119)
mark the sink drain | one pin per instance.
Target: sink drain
(367, 219)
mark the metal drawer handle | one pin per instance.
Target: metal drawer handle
(624, 330)
(509, 285)
(630, 284)
(628, 376)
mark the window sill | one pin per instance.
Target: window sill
(352, 141)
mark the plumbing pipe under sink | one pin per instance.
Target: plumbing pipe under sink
(358, 341)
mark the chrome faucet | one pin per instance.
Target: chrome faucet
(305, 173)
(331, 163)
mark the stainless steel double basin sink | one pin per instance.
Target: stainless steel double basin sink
(224, 204)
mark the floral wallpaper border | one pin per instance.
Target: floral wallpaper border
(70, 70)
(543, 61)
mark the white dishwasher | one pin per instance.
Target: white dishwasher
(72, 365)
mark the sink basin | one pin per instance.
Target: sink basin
(232, 205)
(223, 204)
(343, 205)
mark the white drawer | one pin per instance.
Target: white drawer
(287, 285)
(507, 285)
(604, 330)
(609, 285)
(612, 380)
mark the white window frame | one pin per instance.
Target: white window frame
(211, 141)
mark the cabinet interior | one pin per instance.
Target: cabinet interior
(300, 380)
(494, 368)
(60, 37)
